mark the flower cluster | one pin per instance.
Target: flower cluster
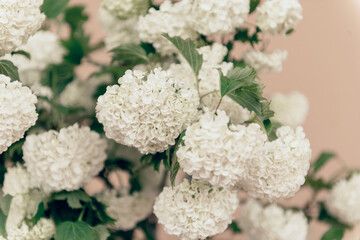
(196, 210)
(265, 62)
(343, 201)
(44, 229)
(147, 111)
(279, 16)
(19, 19)
(64, 160)
(272, 222)
(126, 209)
(17, 111)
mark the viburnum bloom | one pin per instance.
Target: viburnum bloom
(195, 211)
(290, 109)
(64, 160)
(343, 200)
(214, 17)
(282, 170)
(279, 16)
(171, 18)
(147, 110)
(44, 229)
(124, 9)
(17, 111)
(127, 209)
(265, 62)
(272, 222)
(219, 153)
(19, 19)
(16, 181)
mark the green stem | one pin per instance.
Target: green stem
(81, 214)
(206, 94)
(218, 104)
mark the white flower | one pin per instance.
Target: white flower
(343, 200)
(80, 94)
(210, 17)
(283, 168)
(17, 111)
(213, 54)
(170, 19)
(265, 62)
(126, 209)
(126, 8)
(272, 222)
(196, 210)
(45, 49)
(279, 16)
(291, 109)
(17, 181)
(147, 111)
(19, 19)
(44, 229)
(64, 160)
(219, 154)
(118, 31)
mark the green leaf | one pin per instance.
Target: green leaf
(39, 214)
(167, 161)
(77, 47)
(2, 224)
(317, 184)
(74, 198)
(253, 5)
(75, 17)
(322, 159)
(235, 228)
(53, 8)
(188, 50)
(78, 230)
(324, 216)
(175, 166)
(334, 233)
(101, 232)
(21, 52)
(236, 78)
(7, 68)
(100, 210)
(272, 134)
(130, 53)
(290, 31)
(6, 203)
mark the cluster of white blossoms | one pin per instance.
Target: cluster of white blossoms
(17, 111)
(44, 229)
(219, 153)
(265, 62)
(213, 17)
(195, 211)
(64, 160)
(125, 9)
(16, 181)
(147, 111)
(126, 209)
(272, 222)
(291, 109)
(44, 49)
(19, 19)
(343, 200)
(279, 16)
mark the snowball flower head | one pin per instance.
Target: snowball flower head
(19, 19)
(214, 17)
(64, 160)
(272, 222)
(126, 209)
(147, 111)
(17, 111)
(43, 230)
(218, 153)
(196, 210)
(283, 168)
(124, 9)
(343, 200)
(279, 16)
(17, 181)
(291, 109)
(265, 62)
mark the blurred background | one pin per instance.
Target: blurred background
(324, 64)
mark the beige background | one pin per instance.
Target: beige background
(323, 63)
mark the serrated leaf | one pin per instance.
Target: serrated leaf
(101, 232)
(334, 233)
(2, 224)
(236, 78)
(7, 68)
(74, 198)
(188, 50)
(175, 166)
(75, 16)
(130, 53)
(253, 5)
(322, 160)
(6, 203)
(21, 52)
(78, 230)
(53, 8)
